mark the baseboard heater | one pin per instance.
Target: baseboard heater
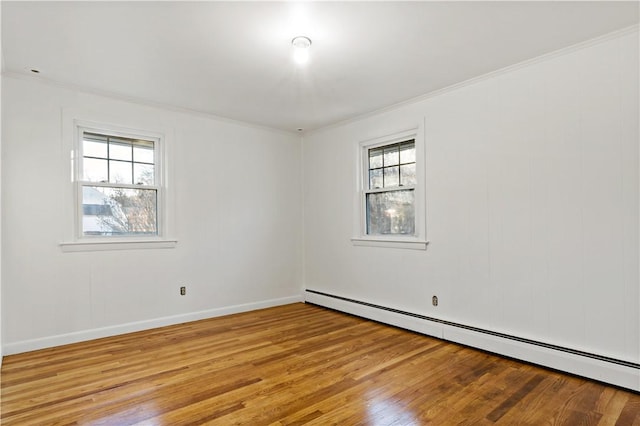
(599, 367)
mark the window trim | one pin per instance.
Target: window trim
(76, 246)
(80, 242)
(417, 241)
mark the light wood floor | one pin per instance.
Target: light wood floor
(295, 364)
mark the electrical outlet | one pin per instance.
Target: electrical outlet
(183, 291)
(434, 300)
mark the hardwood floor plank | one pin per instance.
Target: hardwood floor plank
(614, 407)
(513, 399)
(293, 365)
(630, 414)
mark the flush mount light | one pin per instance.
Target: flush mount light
(301, 46)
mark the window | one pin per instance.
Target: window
(391, 197)
(118, 184)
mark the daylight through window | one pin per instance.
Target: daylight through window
(118, 185)
(390, 197)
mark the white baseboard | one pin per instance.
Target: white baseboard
(589, 367)
(97, 333)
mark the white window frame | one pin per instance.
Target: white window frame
(418, 240)
(83, 242)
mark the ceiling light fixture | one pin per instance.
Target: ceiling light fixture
(301, 46)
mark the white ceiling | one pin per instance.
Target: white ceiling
(233, 59)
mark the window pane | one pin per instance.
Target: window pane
(391, 176)
(92, 148)
(94, 170)
(391, 155)
(120, 172)
(408, 153)
(391, 212)
(375, 158)
(375, 178)
(143, 174)
(143, 152)
(408, 174)
(119, 149)
(119, 211)
(96, 209)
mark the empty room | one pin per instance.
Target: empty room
(323, 213)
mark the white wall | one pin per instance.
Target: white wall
(236, 209)
(532, 204)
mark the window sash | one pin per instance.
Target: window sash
(128, 158)
(390, 218)
(389, 189)
(388, 157)
(120, 185)
(83, 233)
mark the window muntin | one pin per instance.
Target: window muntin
(390, 196)
(118, 185)
(117, 159)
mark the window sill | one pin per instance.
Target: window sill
(76, 246)
(390, 243)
